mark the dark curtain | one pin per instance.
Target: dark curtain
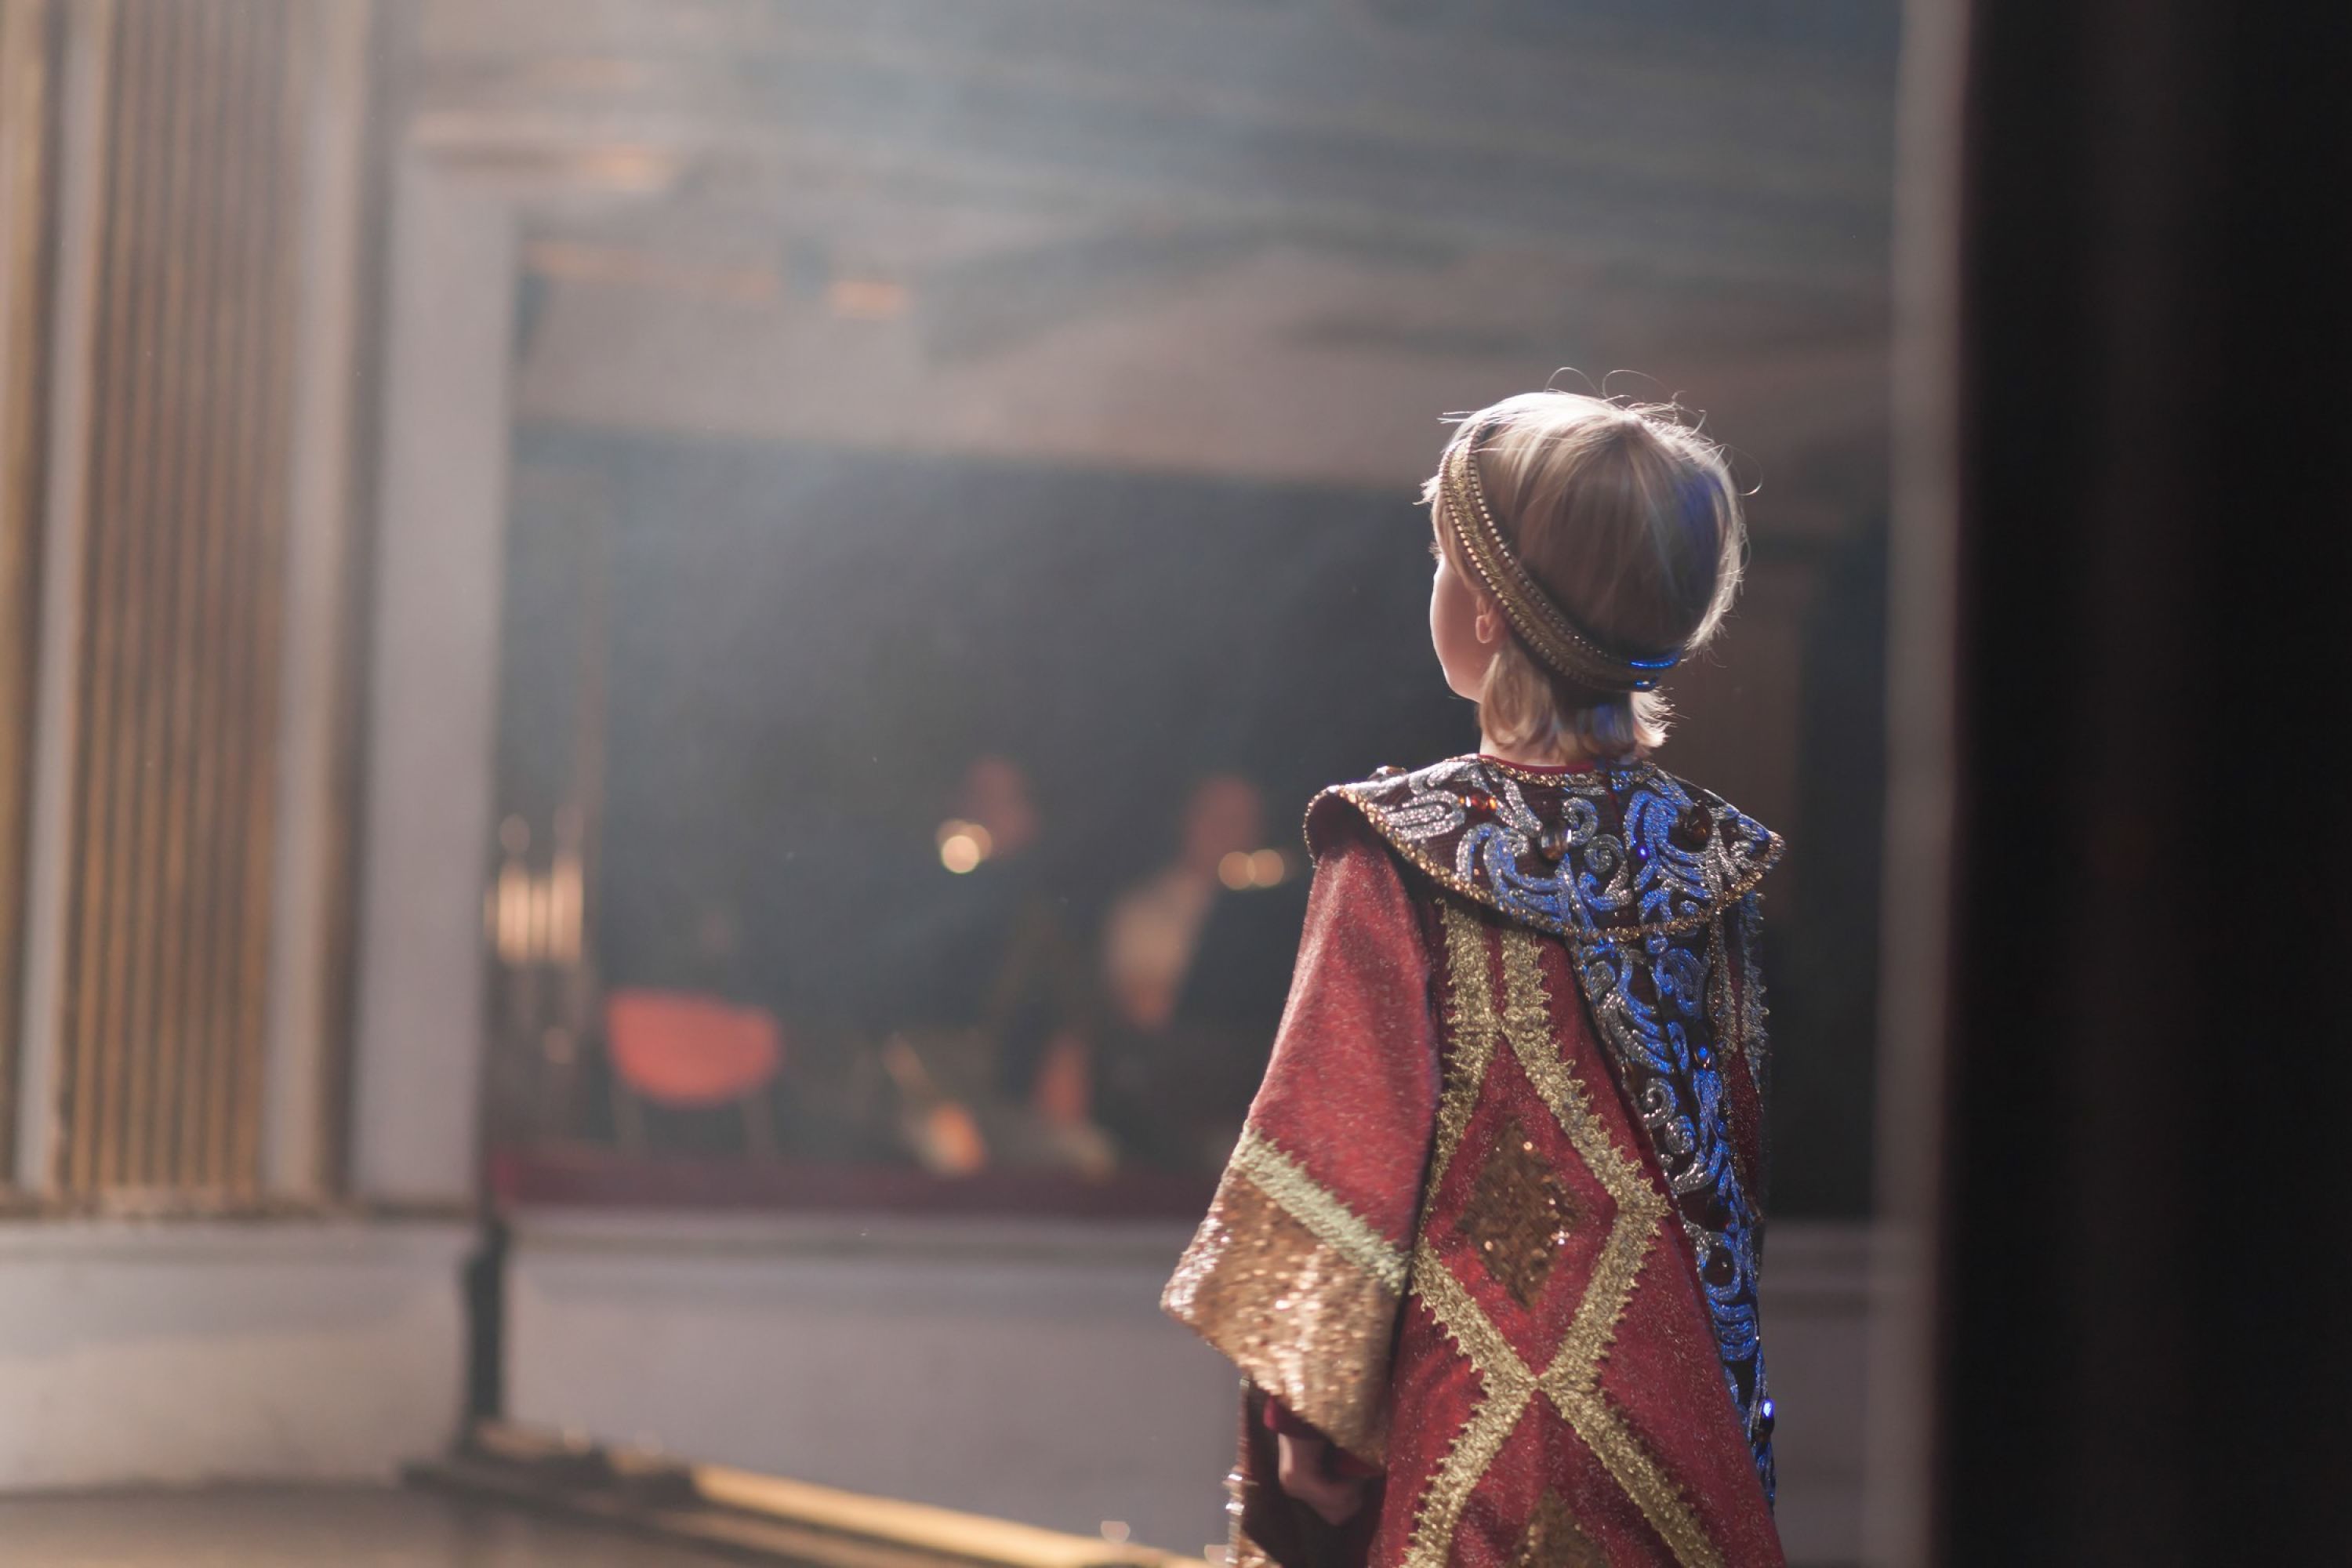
(2144, 1324)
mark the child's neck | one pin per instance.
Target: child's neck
(1568, 753)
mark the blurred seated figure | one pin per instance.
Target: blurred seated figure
(1196, 961)
(984, 998)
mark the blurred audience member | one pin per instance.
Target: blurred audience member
(1155, 927)
(1196, 960)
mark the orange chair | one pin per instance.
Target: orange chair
(679, 1049)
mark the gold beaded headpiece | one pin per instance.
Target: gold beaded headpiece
(1567, 648)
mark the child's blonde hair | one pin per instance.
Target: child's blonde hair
(1628, 518)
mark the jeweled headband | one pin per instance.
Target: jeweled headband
(1542, 625)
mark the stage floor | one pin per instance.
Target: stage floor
(323, 1527)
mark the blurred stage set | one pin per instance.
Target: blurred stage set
(658, 661)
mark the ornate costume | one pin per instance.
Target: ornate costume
(1493, 1224)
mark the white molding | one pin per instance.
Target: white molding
(187, 1352)
(439, 581)
(318, 515)
(236, 1244)
(989, 1239)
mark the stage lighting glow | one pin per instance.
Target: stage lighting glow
(964, 845)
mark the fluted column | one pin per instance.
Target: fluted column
(182, 307)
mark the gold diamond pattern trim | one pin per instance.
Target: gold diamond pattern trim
(1329, 1220)
(1472, 1033)
(1510, 1386)
(1572, 1381)
(1475, 1031)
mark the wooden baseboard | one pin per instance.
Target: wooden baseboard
(760, 1519)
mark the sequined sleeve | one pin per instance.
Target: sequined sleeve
(1297, 1271)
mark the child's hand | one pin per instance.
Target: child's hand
(1301, 1466)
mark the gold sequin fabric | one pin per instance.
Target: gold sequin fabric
(1553, 1539)
(1304, 1303)
(1518, 1216)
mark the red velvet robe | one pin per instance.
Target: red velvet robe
(1479, 1231)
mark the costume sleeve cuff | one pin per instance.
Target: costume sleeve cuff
(1299, 1294)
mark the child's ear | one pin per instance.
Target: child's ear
(1488, 622)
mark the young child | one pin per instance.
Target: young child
(1487, 1251)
